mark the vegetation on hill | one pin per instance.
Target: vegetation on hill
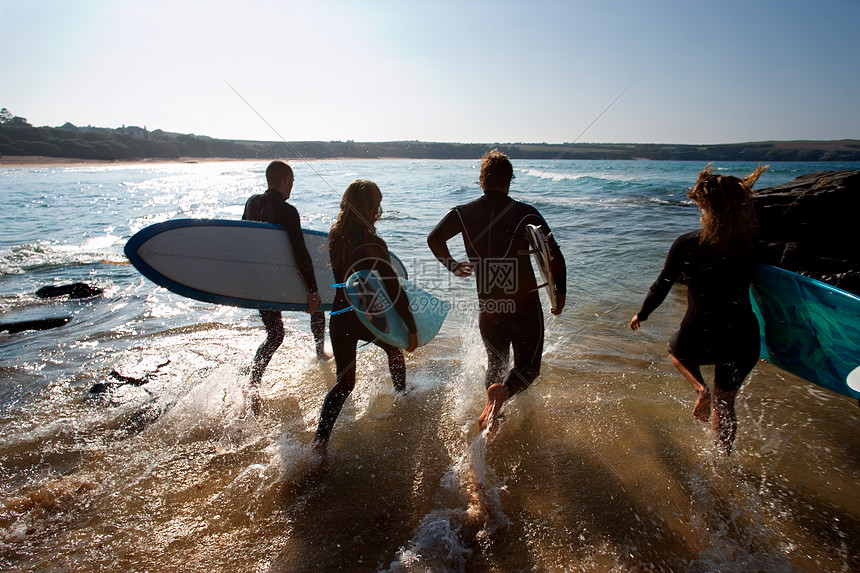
(18, 137)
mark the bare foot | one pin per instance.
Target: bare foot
(320, 447)
(324, 357)
(497, 394)
(252, 399)
(486, 418)
(702, 409)
(476, 514)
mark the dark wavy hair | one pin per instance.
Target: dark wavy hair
(728, 212)
(359, 211)
(496, 171)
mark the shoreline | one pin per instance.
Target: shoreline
(44, 161)
(23, 161)
(13, 161)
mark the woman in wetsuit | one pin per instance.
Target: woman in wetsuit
(354, 246)
(718, 263)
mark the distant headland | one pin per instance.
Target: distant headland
(18, 139)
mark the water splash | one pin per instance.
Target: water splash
(446, 538)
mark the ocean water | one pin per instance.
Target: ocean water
(599, 466)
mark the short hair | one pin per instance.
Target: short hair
(277, 170)
(496, 171)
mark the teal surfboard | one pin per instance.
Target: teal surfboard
(370, 301)
(809, 328)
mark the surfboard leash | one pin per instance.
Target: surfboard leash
(350, 308)
(345, 310)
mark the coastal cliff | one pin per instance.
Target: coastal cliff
(809, 226)
(130, 143)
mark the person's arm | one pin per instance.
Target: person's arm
(377, 251)
(253, 208)
(437, 240)
(661, 287)
(292, 224)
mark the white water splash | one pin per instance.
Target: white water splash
(445, 538)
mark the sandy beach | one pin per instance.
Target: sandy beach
(43, 161)
(598, 466)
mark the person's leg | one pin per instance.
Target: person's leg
(527, 334)
(724, 420)
(693, 374)
(396, 361)
(274, 337)
(396, 366)
(498, 347)
(728, 378)
(318, 330)
(344, 347)
(497, 343)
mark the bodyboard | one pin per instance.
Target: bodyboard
(236, 263)
(540, 252)
(375, 309)
(808, 328)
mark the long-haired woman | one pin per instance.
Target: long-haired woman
(718, 263)
(354, 246)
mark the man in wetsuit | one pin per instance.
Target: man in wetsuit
(272, 207)
(510, 313)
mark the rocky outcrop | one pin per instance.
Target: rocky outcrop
(74, 290)
(810, 226)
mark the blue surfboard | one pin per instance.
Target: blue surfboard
(370, 301)
(235, 263)
(808, 328)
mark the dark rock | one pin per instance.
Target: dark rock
(37, 324)
(115, 379)
(74, 290)
(808, 226)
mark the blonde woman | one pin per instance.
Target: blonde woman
(354, 246)
(718, 263)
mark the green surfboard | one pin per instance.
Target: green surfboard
(809, 328)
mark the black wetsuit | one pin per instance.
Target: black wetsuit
(272, 207)
(719, 326)
(510, 314)
(367, 252)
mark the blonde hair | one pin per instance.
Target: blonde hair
(359, 211)
(728, 212)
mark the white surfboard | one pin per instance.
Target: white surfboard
(540, 250)
(370, 301)
(235, 263)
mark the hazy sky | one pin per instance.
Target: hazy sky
(439, 70)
